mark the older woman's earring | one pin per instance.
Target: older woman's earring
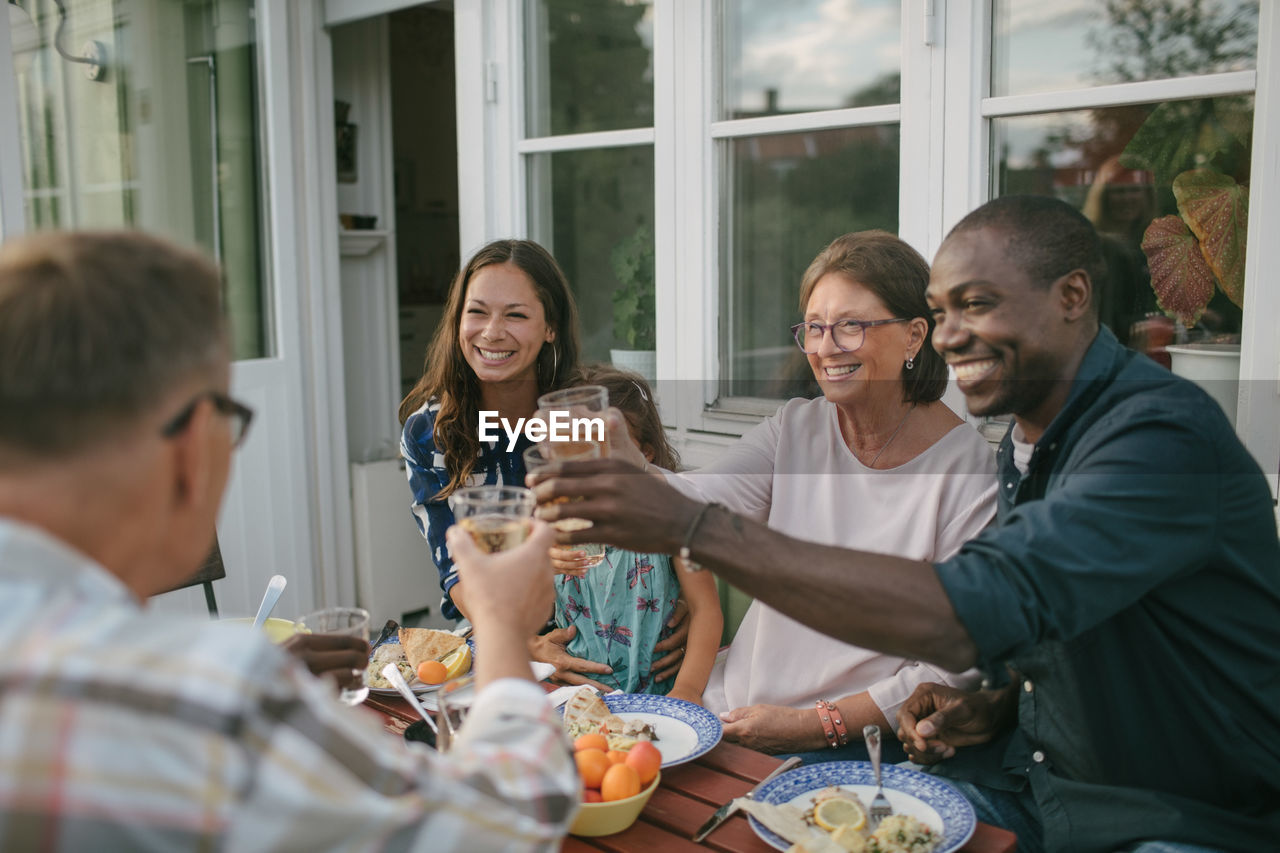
(555, 363)
(911, 362)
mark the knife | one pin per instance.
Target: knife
(722, 813)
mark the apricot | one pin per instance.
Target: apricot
(432, 672)
(593, 740)
(620, 781)
(646, 760)
(591, 766)
(615, 756)
(591, 795)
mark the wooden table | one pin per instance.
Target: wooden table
(687, 796)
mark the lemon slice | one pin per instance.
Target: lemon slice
(457, 662)
(837, 812)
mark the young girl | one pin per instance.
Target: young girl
(509, 334)
(621, 606)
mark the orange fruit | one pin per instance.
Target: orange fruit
(591, 795)
(620, 782)
(646, 760)
(591, 741)
(615, 756)
(591, 766)
(432, 672)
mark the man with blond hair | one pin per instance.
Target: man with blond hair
(121, 729)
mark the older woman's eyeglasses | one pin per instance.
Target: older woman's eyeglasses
(240, 414)
(848, 335)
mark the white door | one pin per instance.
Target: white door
(186, 129)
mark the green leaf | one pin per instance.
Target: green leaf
(1177, 136)
(1182, 280)
(633, 300)
(1216, 209)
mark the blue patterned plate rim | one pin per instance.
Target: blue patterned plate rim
(706, 725)
(415, 685)
(958, 819)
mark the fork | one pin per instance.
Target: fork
(880, 808)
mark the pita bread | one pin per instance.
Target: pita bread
(421, 644)
(586, 712)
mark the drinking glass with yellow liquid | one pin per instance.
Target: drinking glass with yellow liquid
(575, 418)
(497, 517)
(540, 455)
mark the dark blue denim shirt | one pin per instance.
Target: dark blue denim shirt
(1132, 581)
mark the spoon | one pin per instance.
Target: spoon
(391, 673)
(275, 586)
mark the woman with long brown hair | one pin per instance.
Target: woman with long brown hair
(509, 334)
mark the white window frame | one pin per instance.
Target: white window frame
(700, 408)
(968, 169)
(945, 118)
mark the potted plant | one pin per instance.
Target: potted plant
(1201, 149)
(634, 325)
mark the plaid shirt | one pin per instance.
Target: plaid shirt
(122, 730)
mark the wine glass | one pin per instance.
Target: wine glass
(348, 622)
(577, 417)
(453, 701)
(497, 517)
(541, 455)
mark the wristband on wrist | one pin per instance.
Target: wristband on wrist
(689, 563)
(832, 723)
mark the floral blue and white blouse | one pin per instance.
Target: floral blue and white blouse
(427, 475)
(621, 609)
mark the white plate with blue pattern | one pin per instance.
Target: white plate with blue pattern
(414, 684)
(685, 731)
(928, 799)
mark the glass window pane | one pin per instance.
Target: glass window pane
(1125, 168)
(588, 65)
(594, 211)
(790, 195)
(164, 137)
(1042, 47)
(806, 55)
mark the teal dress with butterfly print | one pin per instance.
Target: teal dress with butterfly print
(621, 608)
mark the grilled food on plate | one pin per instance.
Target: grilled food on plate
(423, 644)
(586, 712)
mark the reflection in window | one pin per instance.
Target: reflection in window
(1125, 167)
(165, 139)
(807, 55)
(1042, 47)
(598, 205)
(789, 196)
(588, 65)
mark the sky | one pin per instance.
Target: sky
(817, 52)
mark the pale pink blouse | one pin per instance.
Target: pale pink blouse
(795, 472)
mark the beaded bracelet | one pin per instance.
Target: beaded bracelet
(832, 723)
(690, 564)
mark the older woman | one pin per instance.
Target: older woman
(877, 463)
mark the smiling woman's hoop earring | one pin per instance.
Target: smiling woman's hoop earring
(911, 362)
(555, 365)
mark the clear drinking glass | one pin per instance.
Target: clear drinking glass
(538, 456)
(497, 517)
(453, 701)
(576, 418)
(348, 622)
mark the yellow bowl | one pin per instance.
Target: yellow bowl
(615, 816)
(278, 630)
